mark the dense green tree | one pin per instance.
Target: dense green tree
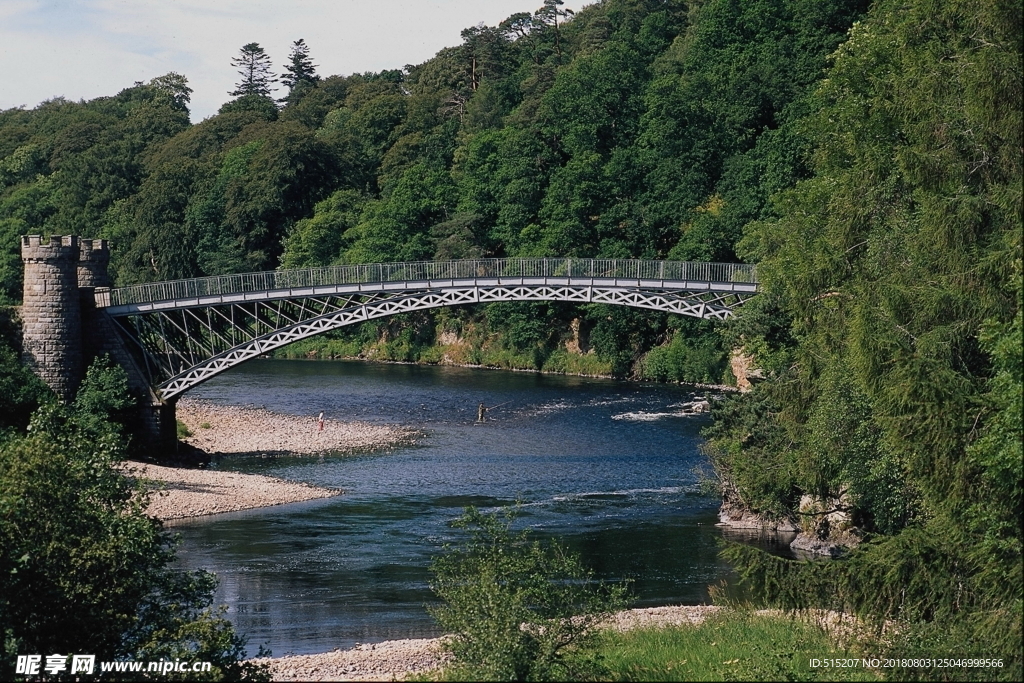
(321, 239)
(83, 569)
(518, 610)
(897, 265)
(316, 103)
(21, 392)
(176, 86)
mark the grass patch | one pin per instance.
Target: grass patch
(738, 646)
(183, 431)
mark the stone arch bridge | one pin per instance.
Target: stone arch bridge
(171, 336)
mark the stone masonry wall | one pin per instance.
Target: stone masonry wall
(51, 312)
(63, 330)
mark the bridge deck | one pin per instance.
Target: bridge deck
(186, 331)
(280, 284)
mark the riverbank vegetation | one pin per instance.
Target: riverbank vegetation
(83, 568)
(890, 330)
(517, 610)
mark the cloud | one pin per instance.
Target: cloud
(81, 49)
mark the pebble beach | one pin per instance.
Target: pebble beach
(395, 660)
(180, 493)
(252, 430)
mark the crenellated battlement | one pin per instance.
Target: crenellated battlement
(93, 259)
(94, 249)
(58, 248)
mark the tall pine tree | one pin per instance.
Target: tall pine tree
(300, 74)
(253, 64)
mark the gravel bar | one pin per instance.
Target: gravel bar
(252, 430)
(180, 492)
(395, 660)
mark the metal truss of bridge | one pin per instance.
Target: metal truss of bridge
(186, 331)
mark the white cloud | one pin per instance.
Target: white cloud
(81, 49)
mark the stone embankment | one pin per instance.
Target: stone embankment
(395, 660)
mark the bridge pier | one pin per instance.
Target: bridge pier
(63, 330)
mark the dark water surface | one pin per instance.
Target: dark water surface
(606, 467)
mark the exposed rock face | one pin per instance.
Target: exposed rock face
(448, 338)
(736, 515)
(826, 526)
(739, 518)
(744, 369)
(578, 344)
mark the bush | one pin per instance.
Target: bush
(517, 610)
(83, 569)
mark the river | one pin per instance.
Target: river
(608, 468)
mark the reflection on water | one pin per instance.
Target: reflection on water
(314, 576)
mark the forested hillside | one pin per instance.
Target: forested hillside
(634, 129)
(891, 334)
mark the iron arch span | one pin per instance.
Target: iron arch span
(187, 331)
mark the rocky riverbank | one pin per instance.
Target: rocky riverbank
(395, 660)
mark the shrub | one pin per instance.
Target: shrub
(83, 568)
(518, 610)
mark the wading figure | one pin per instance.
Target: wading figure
(481, 412)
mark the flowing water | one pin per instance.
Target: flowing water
(608, 468)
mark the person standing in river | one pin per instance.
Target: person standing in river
(481, 412)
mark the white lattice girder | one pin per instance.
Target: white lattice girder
(467, 284)
(693, 304)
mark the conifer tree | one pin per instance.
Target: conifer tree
(253, 64)
(300, 74)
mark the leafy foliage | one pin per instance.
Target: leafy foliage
(867, 158)
(253, 64)
(518, 610)
(634, 128)
(897, 265)
(82, 567)
(300, 73)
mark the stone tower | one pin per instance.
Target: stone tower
(93, 258)
(63, 330)
(51, 312)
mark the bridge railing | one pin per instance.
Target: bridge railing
(630, 269)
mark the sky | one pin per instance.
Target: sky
(82, 49)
